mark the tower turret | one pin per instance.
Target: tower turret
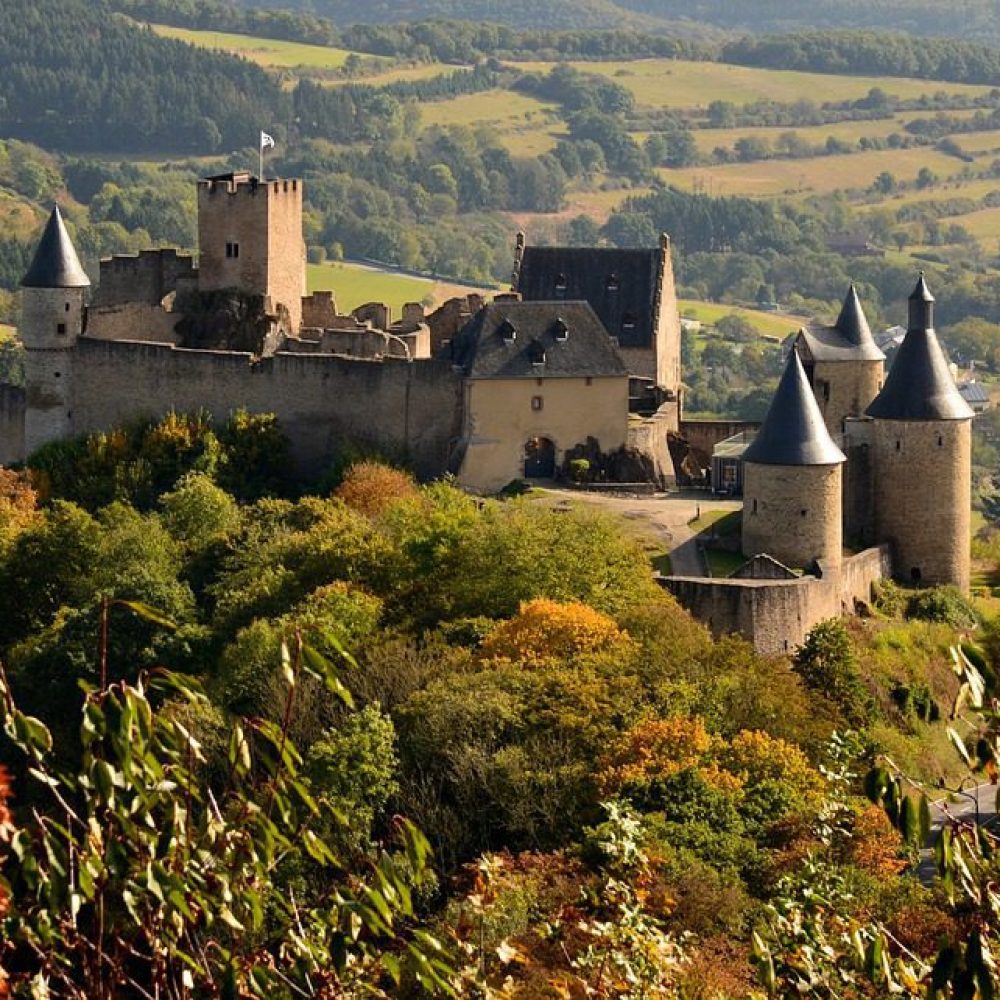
(843, 364)
(922, 456)
(792, 479)
(53, 314)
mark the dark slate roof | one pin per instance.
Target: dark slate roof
(793, 432)
(849, 339)
(619, 284)
(55, 264)
(550, 340)
(973, 392)
(919, 385)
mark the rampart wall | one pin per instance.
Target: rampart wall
(12, 403)
(408, 410)
(145, 277)
(776, 615)
(132, 321)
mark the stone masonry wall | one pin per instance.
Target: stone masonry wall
(704, 435)
(792, 512)
(922, 489)
(407, 410)
(11, 424)
(132, 321)
(776, 615)
(845, 389)
(144, 277)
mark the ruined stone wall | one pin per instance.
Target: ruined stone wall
(649, 435)
(12, 405)
(922, 489)
(132, 321)
(792, 512)
(776, 615)
(319, 310)
(409, 411)
(144, 277)
(845, 389)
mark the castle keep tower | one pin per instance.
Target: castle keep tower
(843, 364)
(792, 480)
(52, 317)
(922, 450)
(250, 239)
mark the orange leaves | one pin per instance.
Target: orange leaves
(369, 487)
(18, 504)
(656, 749)
(544, 631)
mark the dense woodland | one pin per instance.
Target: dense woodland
(613, 804)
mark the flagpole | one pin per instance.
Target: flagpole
(260, 155)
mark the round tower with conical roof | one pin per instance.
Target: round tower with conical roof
(792, 480)
(53, 304)
(922, 457)
(843, 364)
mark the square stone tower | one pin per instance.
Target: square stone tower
(250, 239)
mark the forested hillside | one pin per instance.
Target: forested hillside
(125, 88)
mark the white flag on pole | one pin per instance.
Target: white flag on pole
(266, 142)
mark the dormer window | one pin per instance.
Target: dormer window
(560, 284)
(612, 283)
(560, 330)
(628, 322)
(507, 331)
(537, 353)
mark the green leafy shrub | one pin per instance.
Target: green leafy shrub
(828, 665)
(946, 604)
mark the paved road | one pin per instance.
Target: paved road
(665, 515)
(978, 799)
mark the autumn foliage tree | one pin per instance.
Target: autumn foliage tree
(369, 487)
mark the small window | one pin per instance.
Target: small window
(536, 403)
(60, 327)
(628, 322)
(539, 381)
(612, 283)
(67, 307)
(803, 512)
(58, 374)
(897, 445)
(940, 441)
(754, 507)
(560, 283)
(232, 250)
(588, 381)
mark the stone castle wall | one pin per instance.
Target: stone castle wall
(792, 512)
(132, 321)
(668, 326)
(145, 277)
(845, 389)
(12, 406)
(408, 411)
(704, 435)
(776, 615)
(859, 483)
(922, 488)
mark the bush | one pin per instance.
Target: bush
(369, 487)
(827, 664)
(947, 605)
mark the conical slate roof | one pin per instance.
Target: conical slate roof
(849, 339)
(55, 264)
(919, 385)
(793, 432)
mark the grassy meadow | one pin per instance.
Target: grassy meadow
(767, 324)
(355, 284)
(678, 83)
(271, 52)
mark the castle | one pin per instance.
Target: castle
(237, 330)
(846, 454)
(510, 389)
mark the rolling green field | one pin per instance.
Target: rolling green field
(502, 109)
(819, 175)
(767, 324)
(266, 51)
(676, 83)
(355, 284)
